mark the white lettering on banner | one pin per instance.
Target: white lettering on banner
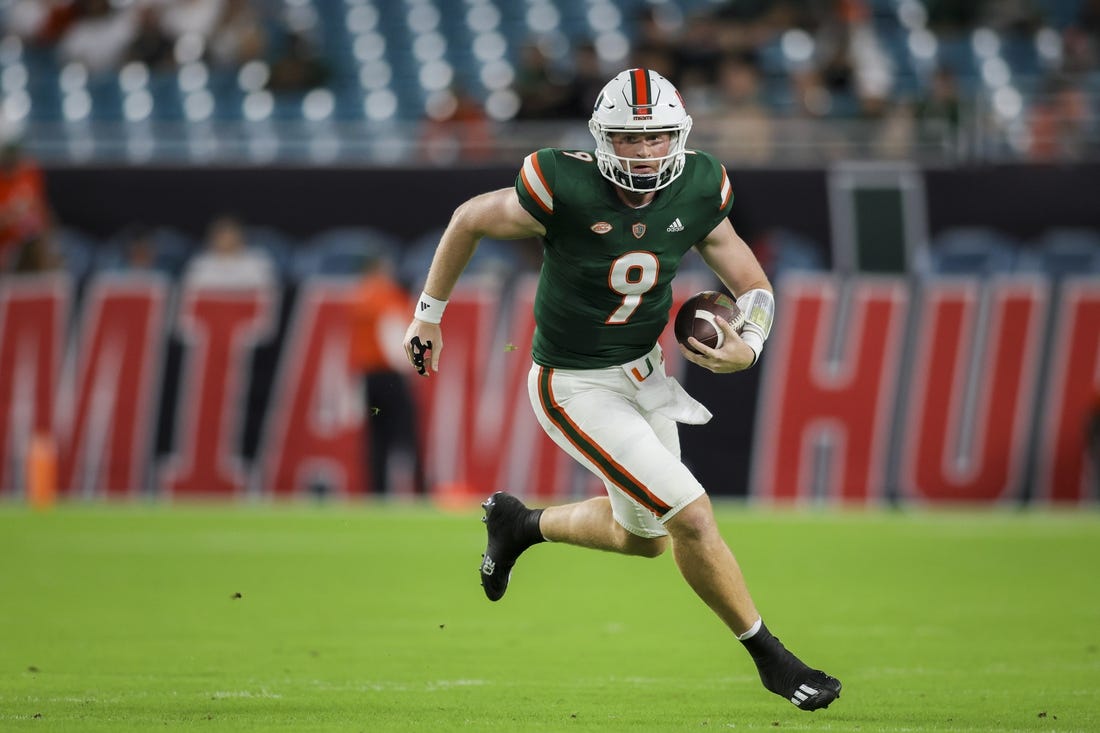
(828, 389)
(1070, 396)
(313, 433)
(848, 409)
(105, 418)
(219, 329)
(975, 355)
(33, 314)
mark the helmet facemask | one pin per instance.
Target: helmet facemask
(642, 102)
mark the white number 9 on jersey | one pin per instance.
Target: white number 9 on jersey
(632, 276)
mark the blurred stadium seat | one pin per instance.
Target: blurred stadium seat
(77, 250)
(343, 251)
(494, 258)
(168, 250)
(782, 251)
(279, 246)
(389, 61)
(1062, 252)
(969, 251)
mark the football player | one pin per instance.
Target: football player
(615, 223)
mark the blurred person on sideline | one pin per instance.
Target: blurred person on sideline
(615, 223)
(227, 261)
(379, 313)
(25, 216)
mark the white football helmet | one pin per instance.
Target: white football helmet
(640, 100)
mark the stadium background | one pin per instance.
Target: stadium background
(918, 178)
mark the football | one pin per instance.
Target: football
(696, 318)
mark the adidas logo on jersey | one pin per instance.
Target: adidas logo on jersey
(675, 226)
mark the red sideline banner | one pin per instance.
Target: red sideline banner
(871, 390)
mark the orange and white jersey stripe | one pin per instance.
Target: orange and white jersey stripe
(535, 183)
(727, 189)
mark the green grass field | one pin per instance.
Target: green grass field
(361, 618)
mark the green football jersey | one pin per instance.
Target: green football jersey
(605, 288)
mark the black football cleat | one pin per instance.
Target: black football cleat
(512, 528)
(788, 676)
(816, 691)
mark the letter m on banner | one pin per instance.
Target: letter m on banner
(33, 313)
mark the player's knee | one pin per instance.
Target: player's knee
(647, 546)
(694, 522)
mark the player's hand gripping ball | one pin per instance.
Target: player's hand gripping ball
(696, 318)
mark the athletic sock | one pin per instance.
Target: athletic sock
(780, 670)
(530, 533)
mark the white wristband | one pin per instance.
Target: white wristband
(429, 309)
(753, 340)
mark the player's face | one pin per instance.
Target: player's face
(643, 148)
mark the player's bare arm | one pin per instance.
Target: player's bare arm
(497, 214)
(733, 262)
(736, 266)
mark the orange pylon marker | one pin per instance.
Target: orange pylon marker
(42, 472)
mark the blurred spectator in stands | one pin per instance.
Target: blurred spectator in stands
(658, 58)
(457, 128)
(699, 48)
(179, 18)
(811, 97)
(1011, 16)
(738, 123)
(227, 262)
(938, 112)
(895, 127)
(812, 103)
(543, 91)
(25, 217)
(1059, 122)
(952, 16)
(40, 22)
(38, 255)
(99, 36)
(151, 45)
(700, 92)
(298, 66)
(239, 36)
(833, 47)
(135, 250)
(139, 249)
(585, 83)
(379, 312)
(861, 66)
(1080, 50)
(942, 102)
(658, 25)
